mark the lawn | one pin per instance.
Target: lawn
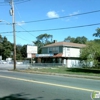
(63, 70)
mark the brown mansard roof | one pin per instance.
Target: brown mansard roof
(68, 44)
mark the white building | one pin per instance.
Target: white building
(61, 52)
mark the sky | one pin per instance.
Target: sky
(34, 10)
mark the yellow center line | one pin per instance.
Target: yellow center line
(51, 84)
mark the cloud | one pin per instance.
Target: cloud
(74, 13)
(20, 23)
(62, 10)
(72, 17)
(67, 20)
(52, 14)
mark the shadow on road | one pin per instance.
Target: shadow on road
(23, 97)
(19, 97)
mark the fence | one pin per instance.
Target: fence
(47, 65)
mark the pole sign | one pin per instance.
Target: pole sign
(0, 57)
(31, 49)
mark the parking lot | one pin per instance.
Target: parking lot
(6, 66)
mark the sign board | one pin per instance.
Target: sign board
(31, 49)
(44, 55)
(0, 57)
(29, 55)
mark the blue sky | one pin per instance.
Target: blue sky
(44, 9)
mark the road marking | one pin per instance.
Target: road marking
(51, 84)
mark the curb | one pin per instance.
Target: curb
(57, 74)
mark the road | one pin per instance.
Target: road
(24, 86)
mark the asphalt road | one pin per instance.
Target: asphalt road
(22, 86)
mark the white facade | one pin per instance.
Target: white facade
(71, 52)
(74, 53)
(66, 53)
(31, 50)
(72, 63)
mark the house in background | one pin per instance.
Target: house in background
(65, 53)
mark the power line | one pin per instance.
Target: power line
(27, 31)
(20, 25)
(23, 38)
(22, 1)
(63, 28)
(17, 36)
(6, 32)
(15, 2)
(6, 35)
(95, 11)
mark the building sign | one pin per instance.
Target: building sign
(31, 49)
(29, 55)
(44, 55)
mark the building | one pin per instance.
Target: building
(65, 53)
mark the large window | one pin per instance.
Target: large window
(53, 50)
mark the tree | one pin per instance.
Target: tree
(97, 34)
(1, 45)
(24, 51)
(91, 53)
(18, 52)
(81, 40)
(42, 40)
(69, 39)
(7, 48)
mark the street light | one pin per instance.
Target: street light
(14, 37)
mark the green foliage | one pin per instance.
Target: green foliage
(97, 34)
(6, 48)
(43, 40)
(23, 51)
(91, 52)
(81, 40)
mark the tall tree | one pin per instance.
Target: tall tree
(97, 34)
(91, 52)
(69, 39)
(24, 51)
(7, 48)
(1, 45)
(81, 40)
(18, 52)
(42, 40)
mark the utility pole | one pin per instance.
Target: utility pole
(14, 34)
